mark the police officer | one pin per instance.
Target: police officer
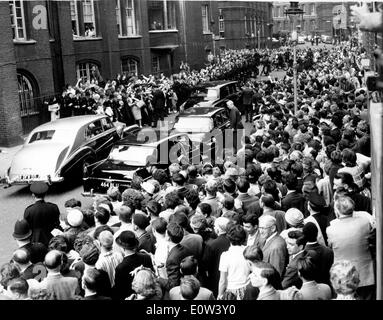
(42, 216)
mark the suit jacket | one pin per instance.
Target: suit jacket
(35, 250)
(323, 257)
(315, 291)
(42, 217)
(146, 242)
(63, 288)
(291, 277)
(275, 253)
(246, 200)
(123, 279)
(294, 200)
(175, 256)
(269, 294)
(210, 260)
(348, 237)
(194, 243)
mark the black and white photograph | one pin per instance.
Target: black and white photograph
(201, 150)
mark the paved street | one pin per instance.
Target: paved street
(15, 199)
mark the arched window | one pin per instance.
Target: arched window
(27, 95)
(129, 66)
(86, 71)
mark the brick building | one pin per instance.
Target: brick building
(319, 18)
(48, 44)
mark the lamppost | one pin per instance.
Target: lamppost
(293, 12)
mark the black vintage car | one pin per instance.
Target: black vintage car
(137, 154)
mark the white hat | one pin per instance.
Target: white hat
(148, 187)
(75, 217)
(294, 217)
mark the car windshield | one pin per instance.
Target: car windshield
(193, 124)
(133, 155)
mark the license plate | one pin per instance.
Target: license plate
(109, 184)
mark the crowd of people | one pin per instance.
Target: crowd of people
(295, 223)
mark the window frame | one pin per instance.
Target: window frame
(27, 98)
(74, 4)
(205, 18)
(130, 59)
(158, 65)
(119, 17)
(221, 24)
(15, 18)
(88, 70)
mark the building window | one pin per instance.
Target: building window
(89, 18)
(83, 17)
(87, 71)
(16, 10)
(205, 18)
(162, 15)
(312, 9)
(27, 98)
(156, 64)
(221, 24)
(118, 17)
(245, 20)
(129, 66)
(74, 18)
(127, 17)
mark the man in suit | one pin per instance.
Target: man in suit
(28, 270)
(90, 283)
(243, 186)
(177, 252)
(274, 249)
(235, 121)
(267, 203)
(322, 257)
(63, 288)
(293, 198)
(212, 254)
(295, 242)
(247, 101)
(132, 259)
(311, 290)
(145, 241)
(250, 225)
(348, 235)
(42, 216)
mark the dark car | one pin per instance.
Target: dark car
(205, 127)
(213, 94)
(136, 155)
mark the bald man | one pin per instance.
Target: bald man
(274, 249)
(22, 259)
(63, 288)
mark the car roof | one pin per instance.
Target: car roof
(205, 112)
(72, 123)
(214, 84)
(161, 135)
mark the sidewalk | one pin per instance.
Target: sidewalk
(6, 156)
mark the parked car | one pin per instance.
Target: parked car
(136, 155)
(60, 149)
(213, 94)
(205, 127)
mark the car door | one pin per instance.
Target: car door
(110, 136)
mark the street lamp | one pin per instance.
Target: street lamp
(293, 12)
